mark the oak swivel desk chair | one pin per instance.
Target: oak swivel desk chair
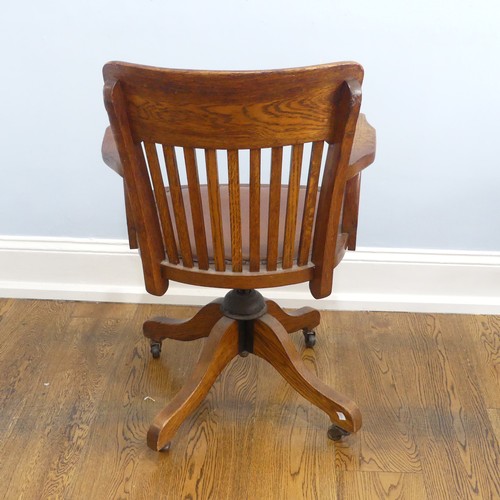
(169, 125)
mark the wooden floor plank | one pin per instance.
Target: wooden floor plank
(51, 427)
(220, 427)
(293, 432)
(5, 306)
(480, 338)
(28, 337)
(376, 485)
(448, 427)
(78, 390)
(494, 416)
(103, 310)
(477, 445)
(363, 345)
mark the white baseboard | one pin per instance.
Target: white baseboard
(368, 279)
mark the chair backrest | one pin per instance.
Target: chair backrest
(265, 113)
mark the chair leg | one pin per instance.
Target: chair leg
(305, 318)
(220, 348)
(272, 343)
(158, 329)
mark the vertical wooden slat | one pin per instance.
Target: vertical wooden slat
(310, 203)
(274, 208)
(292, 205)
(254, 210)
(200, 236)
(235, 209)
(178, 203)
(215, 209)
(161, 201)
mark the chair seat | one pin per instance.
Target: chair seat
(226, 224)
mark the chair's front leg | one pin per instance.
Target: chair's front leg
(220, 348)
(272, 343)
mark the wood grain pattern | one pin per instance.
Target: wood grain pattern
(292, 321)
(219, 349)
(199, 326)
(474, 434)
(178, 205)
(332, 190)
(230, 111)
(280, 107)
(252, 432)
(199, 475)
(264, 336)
(196, 205)
(161, 201)
(387, 485)
(350, 210)
(449, 394)
(215, 209)
(363, 147)
(272, 344)
(292, 205)
(235, 210)
(363, 153)
(391, 448)
(254, 210)
(487, 359)
(274, 208)
(236, 279)
(131, 230)
(138, 189)
(310, 204)
(325, 102)
(494, 415)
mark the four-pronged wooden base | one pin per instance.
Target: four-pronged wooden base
(265, 336)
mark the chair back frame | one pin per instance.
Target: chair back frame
(152, 109)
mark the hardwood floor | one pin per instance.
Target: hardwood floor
(79, 390)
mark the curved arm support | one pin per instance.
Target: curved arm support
(109, 152)
(363, 147)
(332, 190)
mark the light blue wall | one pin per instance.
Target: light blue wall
(431, 82)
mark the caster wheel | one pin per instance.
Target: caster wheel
(155, 349)
(336, 433)
(166, 447)
(309, 338)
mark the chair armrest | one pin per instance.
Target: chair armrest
(362, 155)
(110, 152)
(363, 147)
(112, 159)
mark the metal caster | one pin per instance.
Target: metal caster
(166, 447)
(336, 433)
(155, 349)
(309, 338)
